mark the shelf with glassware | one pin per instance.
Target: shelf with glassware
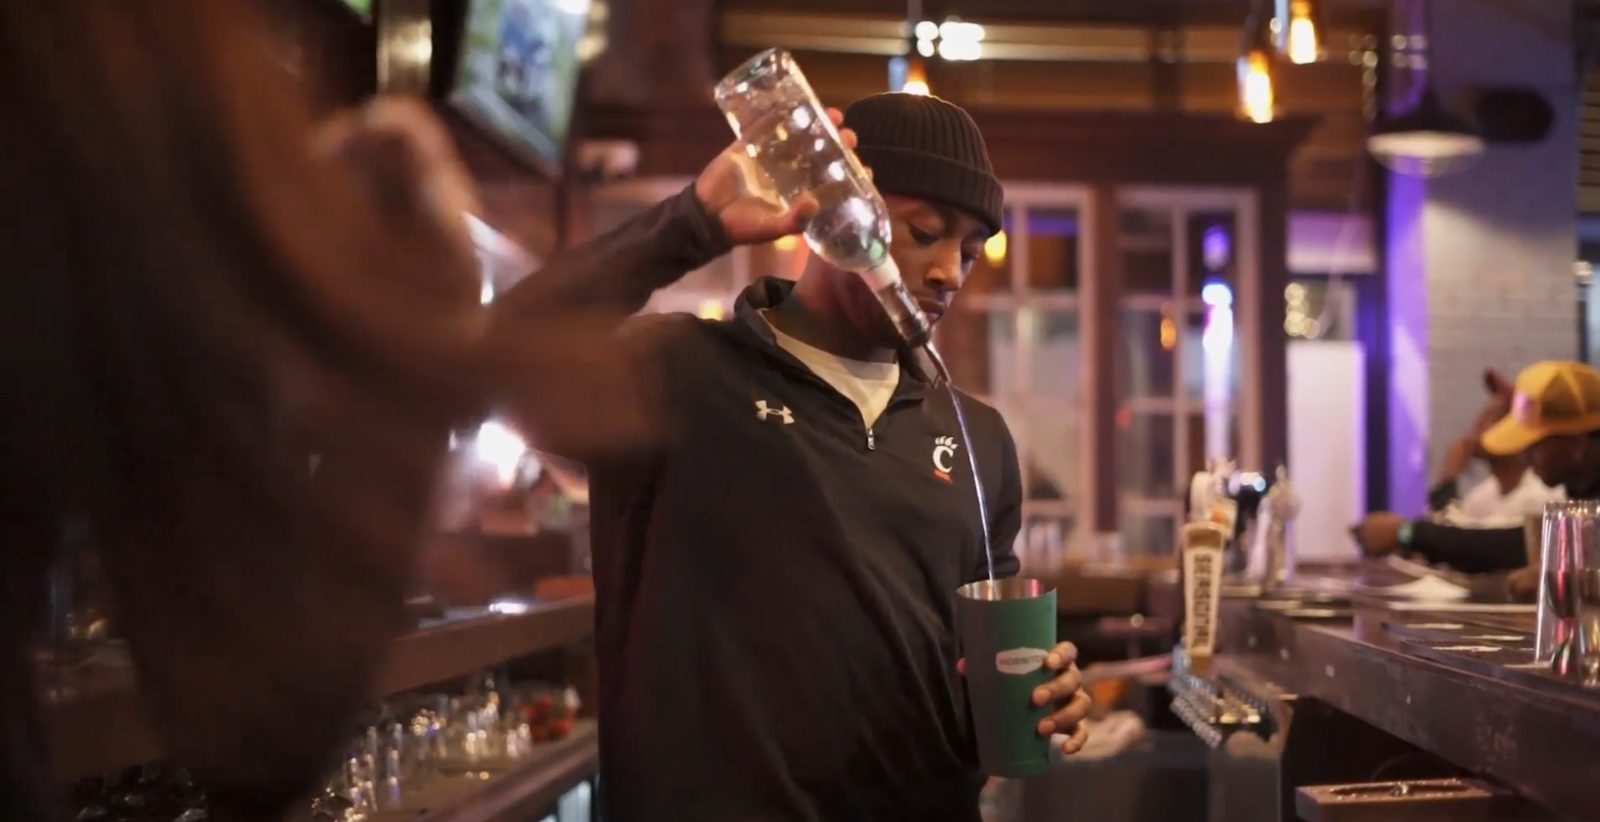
(552, 779)
(556, 781)
(502, 745)
(492, 747)
(96, 723)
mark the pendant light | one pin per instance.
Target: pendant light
(1297, 30)
(1257, 98)
(909, 72)
(1426, 141)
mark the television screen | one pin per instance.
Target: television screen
(517, 72)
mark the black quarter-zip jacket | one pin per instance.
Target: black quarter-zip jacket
(776, 581)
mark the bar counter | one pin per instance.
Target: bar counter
(1458, 684)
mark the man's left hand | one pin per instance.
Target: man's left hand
(1066, 693)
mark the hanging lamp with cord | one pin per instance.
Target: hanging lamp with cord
(1255, 68)
(1298, 30)
(909, 72)
(1427, 140)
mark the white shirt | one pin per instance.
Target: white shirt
(870, 385)
(1484, 506)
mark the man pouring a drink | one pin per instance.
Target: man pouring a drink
(777, 558)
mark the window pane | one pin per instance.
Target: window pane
(1145, 240)
(1045, 536)
(991, 272)
(1050, 456)
(1055, 351)
(1211, 436)
(1320, 309)
(977, 343)
(1146, 359)
(1150, 464)
(1053, 235)
(981, 346)
(1193, 457)
(1149, 535)
(1046, 433)
(1147, 451)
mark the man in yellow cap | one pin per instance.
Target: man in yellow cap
(1509, 494)
(1555, 425)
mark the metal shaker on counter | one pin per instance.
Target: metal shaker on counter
(1568, 632)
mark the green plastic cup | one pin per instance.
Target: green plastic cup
(1007, 628)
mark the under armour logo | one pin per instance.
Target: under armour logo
(763, 411)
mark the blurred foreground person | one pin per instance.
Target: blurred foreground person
(1554, 423)
(196, 304)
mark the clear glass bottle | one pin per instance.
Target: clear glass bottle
(791, 148)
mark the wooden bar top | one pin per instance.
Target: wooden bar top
(1492, 712)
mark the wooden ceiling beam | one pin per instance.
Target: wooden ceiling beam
(1323, 89)
(1078, 11)
(886, 36)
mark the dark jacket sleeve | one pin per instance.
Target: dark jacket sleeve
(1005, 520)
(1472, 550)
(582, 380)
(617, 271)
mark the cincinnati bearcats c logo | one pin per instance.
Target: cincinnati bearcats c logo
(944, 450)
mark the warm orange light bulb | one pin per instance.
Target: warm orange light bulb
(1255, 86)
(1304, 43)
(994, 249)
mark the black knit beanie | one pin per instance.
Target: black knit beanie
(922, 146)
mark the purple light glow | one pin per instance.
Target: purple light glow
(1045, 225)
(1216, 248)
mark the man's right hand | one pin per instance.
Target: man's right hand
(1523, 584)
(1456, 458)
(400, 152)
(747, 219)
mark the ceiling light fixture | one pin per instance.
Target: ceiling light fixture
(1298, 33)
(1257, 99)
(916, 78)
(1426, 141)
